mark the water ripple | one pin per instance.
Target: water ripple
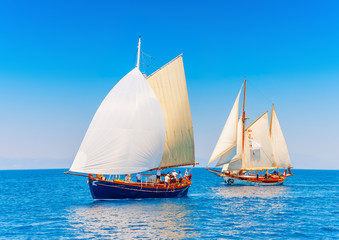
(47, 204)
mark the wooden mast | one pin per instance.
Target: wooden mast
(243, 119)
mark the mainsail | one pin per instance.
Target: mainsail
(169, 85)
(127, 133)
(279, 145)
(257, 148)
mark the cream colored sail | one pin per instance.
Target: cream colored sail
(228, 138)
(279, 145)
(127, 133)
(239, 140)
(235, 165)
(257, 147)
(227, 156)
(169, 85)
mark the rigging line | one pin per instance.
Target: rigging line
(147, 55)
(143, 63)
(271, 160)
(252, 85)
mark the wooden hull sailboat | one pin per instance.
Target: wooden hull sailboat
(252, 155)
(252, 179)
(136, 129)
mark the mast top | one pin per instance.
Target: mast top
(138, 56)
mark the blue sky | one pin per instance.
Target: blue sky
(58, 60)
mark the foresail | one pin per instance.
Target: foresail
(127, 133)
(257, 147)
(279, 145)
(236, 151)
(228, 137)
(227, 157)
(235, 165)
(225, 167)
(169, 85)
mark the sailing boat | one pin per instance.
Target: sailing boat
(251, 156)
(141, 125)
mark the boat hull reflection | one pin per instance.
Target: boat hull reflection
(107, 190)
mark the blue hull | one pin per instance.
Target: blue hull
(103, 190)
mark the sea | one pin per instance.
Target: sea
(47, 204)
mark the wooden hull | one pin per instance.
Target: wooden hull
(107, 190)
(251, 180)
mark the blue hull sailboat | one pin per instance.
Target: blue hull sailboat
(143, 124)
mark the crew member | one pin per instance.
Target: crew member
(167, 179)
(180, 177)
(138, 177)
(158, 175)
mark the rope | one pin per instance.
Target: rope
(270, 101)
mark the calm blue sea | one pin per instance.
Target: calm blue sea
(47, 204)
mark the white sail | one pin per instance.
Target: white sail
(279, 145)
(236, 151)
(257, 148)
(228, 137)
(127, 133)
(225, 167)
(169, 85)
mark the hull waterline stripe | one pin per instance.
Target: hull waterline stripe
(141, 190)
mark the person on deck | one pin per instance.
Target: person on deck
(158, 179)
(180, 177)
(172, 178)
(138, 177)
(174, 174)
(128, 178)
(257, 176)
(167, 179)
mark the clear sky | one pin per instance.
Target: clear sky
(58, 60)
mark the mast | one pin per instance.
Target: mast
(243, 119)
(138, 56)
(271, 120)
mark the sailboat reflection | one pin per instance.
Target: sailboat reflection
(128, 220)
(253, 206)
(253, 192)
